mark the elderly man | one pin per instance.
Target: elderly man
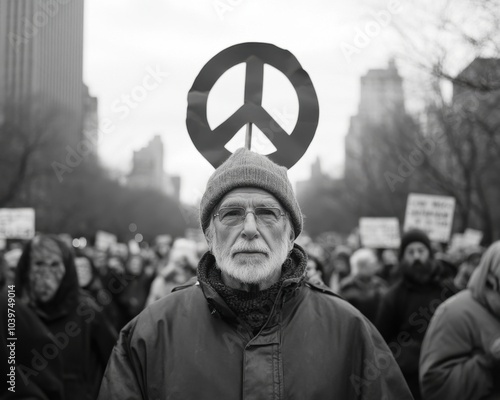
(250, 327)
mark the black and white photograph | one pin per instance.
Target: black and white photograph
(250, 200)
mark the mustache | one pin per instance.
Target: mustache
(245, 248)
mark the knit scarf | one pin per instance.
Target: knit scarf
(253, 308)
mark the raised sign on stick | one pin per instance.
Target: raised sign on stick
(430, 213)
(379, 233)
(211, 142)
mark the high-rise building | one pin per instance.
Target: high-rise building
(381, 104)
(90, 120)
(147, 170)
(41, 59)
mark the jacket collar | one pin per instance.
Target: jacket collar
(289, 288)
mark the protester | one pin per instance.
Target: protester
(47, 283)
(90, 281)
(251, 327)
(315, 271)
(341, 267)
(363, 289)
(180, 268)
(406, 309)
(35, 377)
(162, 247)
(11, 259)
(390, 271)
(461, 351)
(115, 280)
(134, 296)
(466, 268)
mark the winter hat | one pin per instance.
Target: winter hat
(414, 235)
(248, 169)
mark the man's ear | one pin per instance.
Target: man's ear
(291, 239)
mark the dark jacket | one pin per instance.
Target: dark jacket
(190, 345)
(33, 378)
(364, 294)
(456, 360)
(403, 318)
(82, 338)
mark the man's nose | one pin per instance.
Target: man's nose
(250, 226)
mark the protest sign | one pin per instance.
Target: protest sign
(430, 213)
(17, 223)
(211, 142)
(380, 233)
(104, 240)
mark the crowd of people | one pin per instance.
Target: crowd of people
(439, 312)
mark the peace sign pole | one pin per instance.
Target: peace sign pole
(248, 137)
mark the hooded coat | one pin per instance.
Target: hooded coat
(81, 337)
(191, 345)
(403, 318)
(457, 360)
(45, 383)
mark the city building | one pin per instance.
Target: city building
(380, 108)
(41, 61)
(147, 170)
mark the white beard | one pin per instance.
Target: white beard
(252, 269)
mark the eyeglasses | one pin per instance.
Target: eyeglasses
(233, 216)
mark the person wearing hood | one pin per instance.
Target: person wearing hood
(82, 340)
(90, 281)
(134, 296)
(461, 351)
(363, 288)
(250, 326)
(407, 307)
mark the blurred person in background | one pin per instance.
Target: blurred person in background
(100, 260)
(390, 271)
(35, 377)
(181, 267)
(115, 280)
(11, 258)
(467, 267)
(341, 267)
(406, 309)
(461, 351)
(162, 247)
(363, 288)
(47, 283)
(89, 280)
(134, 296)
(315, 271)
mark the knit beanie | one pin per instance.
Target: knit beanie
(245, 168)
(414, 235)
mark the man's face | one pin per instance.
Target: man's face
(46, 270)
(250, 252)
(416, 251)
(83, 271)
(135, 265)
(368, 267)
(417, 262)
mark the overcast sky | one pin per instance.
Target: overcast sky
(127, 39)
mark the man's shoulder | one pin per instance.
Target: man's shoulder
(165, 310)
(327, 301)
(181, 296)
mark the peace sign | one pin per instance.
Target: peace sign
(210, 143)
